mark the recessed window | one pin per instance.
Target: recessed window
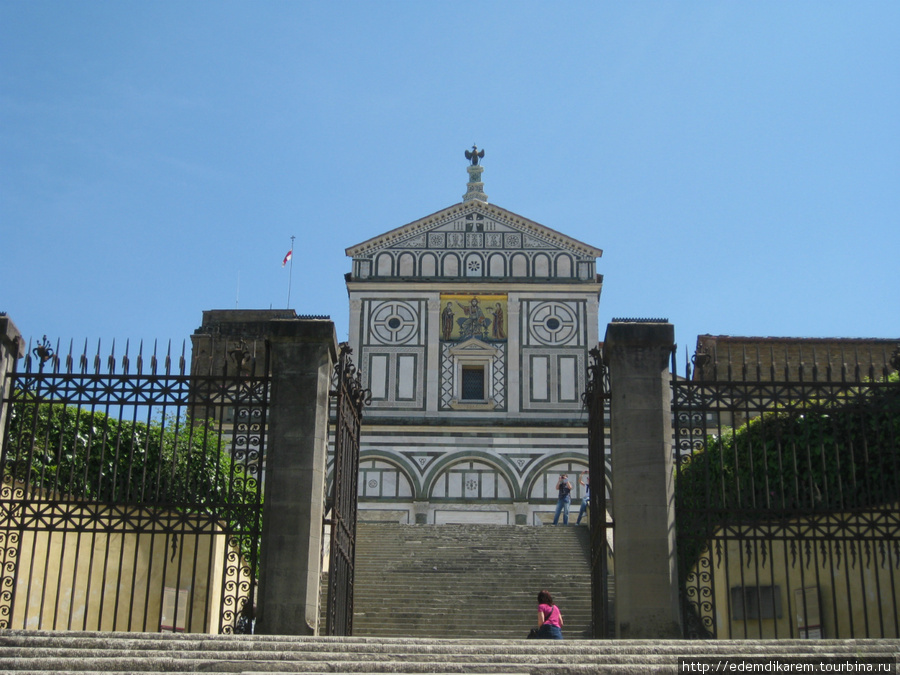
(755, 602)
(472, 383)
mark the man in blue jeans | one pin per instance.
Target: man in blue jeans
(564, 499)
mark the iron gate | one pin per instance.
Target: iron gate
(596, 400)
(130, 498)
(350, 397)
(788, 498)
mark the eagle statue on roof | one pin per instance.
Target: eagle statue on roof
(474, 155)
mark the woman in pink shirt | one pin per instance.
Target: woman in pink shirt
(549, 618)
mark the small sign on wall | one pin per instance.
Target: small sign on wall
(173, 619)
(809, 622)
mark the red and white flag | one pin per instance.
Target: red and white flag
(287, 257)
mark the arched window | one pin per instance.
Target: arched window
(451, 266)
(520, 265)
(428, 265)
(474, 266)
(541, 265)
(564, 267)
(384, 265)
(471, 479)
(497, 265)
(407, 265)
(379, 479)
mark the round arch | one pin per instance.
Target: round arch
(428, 265)
(474, 476)
(519, 265)
(386, 477)
(565, 266)
(497, 265)
(541, 265)
(450, 265)
(406, 265)
(474, 265)
(384, 265)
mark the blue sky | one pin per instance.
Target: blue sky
(738, 162)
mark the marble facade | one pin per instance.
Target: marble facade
(472, 327)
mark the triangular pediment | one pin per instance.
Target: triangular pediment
(474, 346)
(473, 225)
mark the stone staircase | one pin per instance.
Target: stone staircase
(32, 652)
(474, 585)
(468, 581)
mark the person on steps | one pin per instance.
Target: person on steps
(585, 480)
(564, 499)
(550, 620)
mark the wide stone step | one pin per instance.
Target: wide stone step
(60, 652)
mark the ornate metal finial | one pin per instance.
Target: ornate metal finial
(44, 351)
(240, 356)
(701, 358)
(346, 378)
(474, 155)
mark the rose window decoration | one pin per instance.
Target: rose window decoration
(553, 323)
(395, 323)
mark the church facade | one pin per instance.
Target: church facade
(471, 328)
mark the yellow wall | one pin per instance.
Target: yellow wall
(96, 580)
(858, 595)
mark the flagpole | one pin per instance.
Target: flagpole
(291, 273)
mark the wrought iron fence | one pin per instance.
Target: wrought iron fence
(131, 492)
(788, 497)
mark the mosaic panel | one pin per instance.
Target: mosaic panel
(479, 316)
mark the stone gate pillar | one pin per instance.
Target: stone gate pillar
(12, 348)
(302, 356)
(637, 355)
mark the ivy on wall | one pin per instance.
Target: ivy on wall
(820, 458)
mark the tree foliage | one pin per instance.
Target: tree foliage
(72, 452)
(784, 464)
(822, 458)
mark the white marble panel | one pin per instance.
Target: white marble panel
(568, 378)
(406, 381)
(540, 376)
(378, 376)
